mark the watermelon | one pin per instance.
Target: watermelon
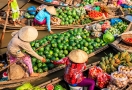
(58, 87)
(49, 87)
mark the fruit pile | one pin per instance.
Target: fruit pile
(28, 86)
(86, 2)
(70, 16)
(95, 14)
(118, 28)
(110, 63)
(63, 43)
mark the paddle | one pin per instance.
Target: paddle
(20, 59)
(3, 32)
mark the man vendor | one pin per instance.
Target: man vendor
(43, 17)
(21, 41)
(15, 11)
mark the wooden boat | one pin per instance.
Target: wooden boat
(118, 12)
(15, 83)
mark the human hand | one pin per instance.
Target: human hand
(51, 32)
(43, 60)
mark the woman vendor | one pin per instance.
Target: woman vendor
(75, 64)
(21, 41)
(15, 11)
(43, 17)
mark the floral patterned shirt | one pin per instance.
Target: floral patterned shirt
(73, 71)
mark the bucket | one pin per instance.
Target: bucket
(75, 88)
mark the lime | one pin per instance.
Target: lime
(88, 39)
(41, 49)
(34, 59)
(45, 68)
(40, 53)
(69, 48)
(40, 70)
(39, 61)
(56, 58)
(50, 52)
(46, 52)
(85, 44)
(35, 68)
(40, 65)
(55, 55)
(36, 45)
(47, 48)
(50, 65)
(44, 65)
(32, 43)
(60, 46)
(56, 50)
(47, 60)
(48, 56)
(53, 58)
(78, 46)
(65, 52)
(90, 47)
(97, 40)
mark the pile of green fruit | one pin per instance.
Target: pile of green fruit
(70, 16)
(87, 2)
(61, 44)
(111, 62)
(118, 28)
(28, 86)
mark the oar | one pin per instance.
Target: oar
(20, 59)
(3, 32)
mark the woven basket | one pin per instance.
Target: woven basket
(123, 37)
(98, 18)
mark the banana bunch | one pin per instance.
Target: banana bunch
(111, 62)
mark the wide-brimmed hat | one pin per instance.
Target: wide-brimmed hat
(78, 56)
(28, 33)
(51, 10)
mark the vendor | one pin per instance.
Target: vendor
(21, 41)
(75, 64)
(43, 17)
(15, 11)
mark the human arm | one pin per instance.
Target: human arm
(26, 46)
(9, 2)
(48, 21)
(62, 61)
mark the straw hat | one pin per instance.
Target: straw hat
(28, 33)
(78, 56)
(51, 10)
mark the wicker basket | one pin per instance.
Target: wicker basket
(123, 37)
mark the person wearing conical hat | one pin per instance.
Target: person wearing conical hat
(21, 41)
(75, 64)
(43, 17)
(15, 11)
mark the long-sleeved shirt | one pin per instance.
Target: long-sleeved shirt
(16, 46)
(43, 14)
(73, 71)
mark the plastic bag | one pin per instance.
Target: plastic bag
(103, 80)
(55, 21)
(126, 70)
(119, 79)
(94, 71)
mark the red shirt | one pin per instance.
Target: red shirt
(73, 71)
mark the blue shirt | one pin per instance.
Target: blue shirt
(43, 15)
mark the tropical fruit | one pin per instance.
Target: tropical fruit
(61, 44)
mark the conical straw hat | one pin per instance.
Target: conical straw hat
(51, 10)
(78, 56)
(28, 33)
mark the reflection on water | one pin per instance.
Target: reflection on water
(8, 37)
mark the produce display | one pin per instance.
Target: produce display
(95, 15)
(119, 79)
(128, 40)
(72, 16)
(127, 71)
(28, 86)
(63, 43)
(86, 2)
(111, 62)
(118, 28)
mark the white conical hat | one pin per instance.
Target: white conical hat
(28, 33)
(51, 10)
(78, 56)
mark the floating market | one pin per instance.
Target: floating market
(66, 45)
